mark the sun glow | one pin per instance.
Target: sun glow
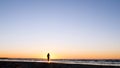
(52, 55)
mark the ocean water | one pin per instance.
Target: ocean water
(91, 62)
(109, 62)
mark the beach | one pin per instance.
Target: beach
(15, 64)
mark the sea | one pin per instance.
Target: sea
(105, 62)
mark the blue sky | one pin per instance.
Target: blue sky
(60, 26)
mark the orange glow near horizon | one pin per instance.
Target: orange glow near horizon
(63, 56)
(90, 56)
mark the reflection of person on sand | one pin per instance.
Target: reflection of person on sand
(48, 57)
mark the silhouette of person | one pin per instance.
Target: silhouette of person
(48, 57)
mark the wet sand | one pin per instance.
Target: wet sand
(13, 64)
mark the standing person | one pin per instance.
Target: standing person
(48, 57)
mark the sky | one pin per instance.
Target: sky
(67, 29)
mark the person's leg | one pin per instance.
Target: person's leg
(48, 58)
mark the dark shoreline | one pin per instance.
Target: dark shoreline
(15, 64)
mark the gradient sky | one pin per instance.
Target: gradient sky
(65, 28)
